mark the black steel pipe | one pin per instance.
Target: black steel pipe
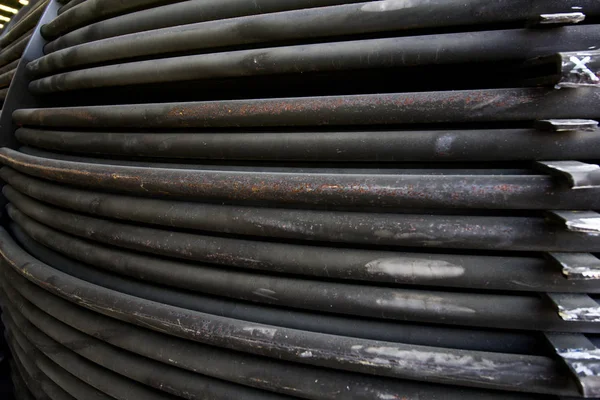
(299, 380)
(408, 230)
(526, 104)
(24, 25)
(20, 390)
(374, 146)
(14, 50)
(340, 263)
(108, 383)
(33, 375)
(24, 367)
(69, 5)
(296, 379)
(10, 66)
(304, 25)
(96, 10)
(457, 48)
(521, 373)
(93, 11)
(336, 324)
(467, 309)
(434, 14)
(527, 273)
(6, 78)
(274, 167)
(55, 336)
(54, 376)
(332, 189)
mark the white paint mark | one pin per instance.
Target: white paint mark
(414, 268)
(391, 5)
(306, 354)
(581, 66)
(443, 144)
(590, 314)
(574, 354)
(583, 369)
(415, 302)
(576, 8)
(261, 331)
(266, 293)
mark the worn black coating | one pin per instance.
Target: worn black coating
(511, 372)
(332, 189)
(29, 370)
(409, 230)
(96, 10)
(6, 78)
(304, 259)
(520, 311)
(274, 167)
(55, 336)
(336, 324)
(103, 380)
(376, 17)
(475, 272)
(10, 66)
(443, 145)
(296, 379)
(24, 25)
(53, 377)
(69, 5)
(524, 104)
(23, 368)
(300, 25)
(20, 390)
(458, 48)
(14, 50)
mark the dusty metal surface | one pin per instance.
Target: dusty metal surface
(317, 199)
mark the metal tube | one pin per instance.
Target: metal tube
(476, 272)
(433, 14)
(307, 145)
(297, 379)
(33, 375)
(359, 355)
(57, 337)
(103, 380)
(516, 44)
(27, 23)
(409, 230)
(14, 50)
(96, 10)
(425, 50)
(468, 309)
(524, 104)
(418, 191)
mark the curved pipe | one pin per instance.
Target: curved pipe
(51, 335)
(373, 146)
(332, 189)
(295, 379)
(456, 48)
(523, 104)
(96, 10)
(366, 301)
(409, 230)
(432, 14)
(385, 359)
(109, 384)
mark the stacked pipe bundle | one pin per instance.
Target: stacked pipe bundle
(13, 41)
(315, 199)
